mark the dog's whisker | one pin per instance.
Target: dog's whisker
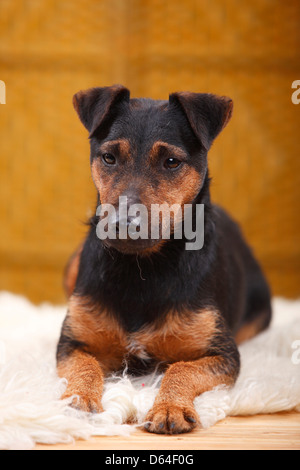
(140, 269)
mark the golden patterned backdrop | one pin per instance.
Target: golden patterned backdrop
(50, 49)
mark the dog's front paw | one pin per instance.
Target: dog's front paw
(87, 403)
(171, 419)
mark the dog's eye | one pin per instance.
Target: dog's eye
(109, 159)
(172, 163)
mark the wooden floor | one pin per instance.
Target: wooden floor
(265, 432)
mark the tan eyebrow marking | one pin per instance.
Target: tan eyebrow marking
(121, 145)
(173, 150)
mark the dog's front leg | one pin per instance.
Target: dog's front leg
(173, 411)
(85, 380)
(91, 345)
(75, 360)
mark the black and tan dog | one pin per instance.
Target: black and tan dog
(148, 302)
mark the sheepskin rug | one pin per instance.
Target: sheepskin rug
(31, 410)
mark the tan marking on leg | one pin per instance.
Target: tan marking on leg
(246, 332)
(103, 335)
(252, 329)
(102, 351)
(173, 411)
(85, 379)
(71, 272)
(185, 342)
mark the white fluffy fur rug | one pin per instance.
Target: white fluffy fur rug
(31, 410)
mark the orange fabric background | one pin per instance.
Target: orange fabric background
(50, 49)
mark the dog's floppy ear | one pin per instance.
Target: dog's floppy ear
(94, 106)
(207, 114)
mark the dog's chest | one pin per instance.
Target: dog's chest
(176, 340)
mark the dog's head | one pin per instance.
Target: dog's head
(148, 154)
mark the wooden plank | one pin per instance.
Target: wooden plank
(263, 432)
